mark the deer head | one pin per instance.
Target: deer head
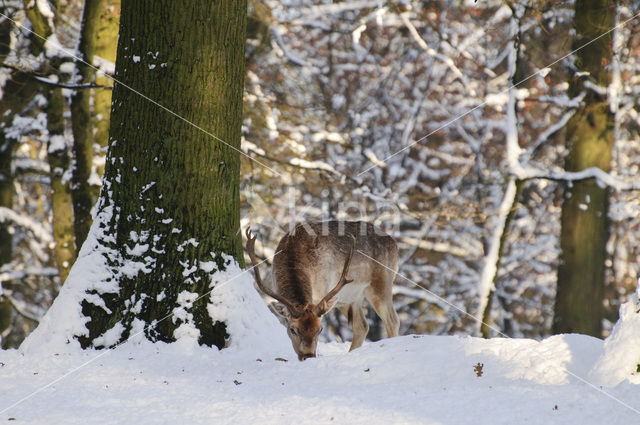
(303, 322)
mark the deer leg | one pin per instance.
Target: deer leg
(358, 324)
(380, 296)
(346, 312)
(389, 317)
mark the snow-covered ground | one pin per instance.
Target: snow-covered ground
(413, 379)
(406, 380)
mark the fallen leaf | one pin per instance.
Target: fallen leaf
(478, 369)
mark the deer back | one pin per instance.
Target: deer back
(310, 259)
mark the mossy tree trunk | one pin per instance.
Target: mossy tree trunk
(169, 207)
(61, 205)
(6, 239)
(106, 43)
(81, 192)
(40, 24)
(585, 226)
(6, 178)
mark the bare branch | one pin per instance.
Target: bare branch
(32, 74)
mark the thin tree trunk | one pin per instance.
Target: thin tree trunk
(6, 196)
(168, 215)
(106, 46)
(585, 224)
(6, 239)
(61, 206)
(81, 192)
(513, 189)
(505, 212)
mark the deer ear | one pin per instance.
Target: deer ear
(324, 307)
(281, 312)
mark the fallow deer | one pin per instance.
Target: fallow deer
(356, 259)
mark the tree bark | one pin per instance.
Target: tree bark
(40, 24)
(6, 239)
(585, 225)
(169, 208)
(485, 330)
(106, 44)
(61, 205)
(81, 192)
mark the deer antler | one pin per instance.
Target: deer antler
(251, 240)
(343, 278)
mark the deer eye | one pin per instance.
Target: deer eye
(292, 331)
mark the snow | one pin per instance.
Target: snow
(45, 9)
(409, 379)
(621, 357)
(105, 67)
(53, 48)
(57, 143)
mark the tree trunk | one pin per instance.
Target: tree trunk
(168, 213)
(106, 44)
(585, 226)
(40, 24)
(502, 235)
(61, 206)
(6, 239)
(81, 193)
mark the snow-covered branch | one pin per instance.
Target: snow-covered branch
(550, 131)
(276, 33)
(38, 230)
(24, 309)
(440, 247)
(8, 274)
(588, 173)
(316, 13)
(430, 51)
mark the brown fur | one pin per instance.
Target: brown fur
(308, 262)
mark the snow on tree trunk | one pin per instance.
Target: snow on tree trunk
(585, 226)
(167, 221)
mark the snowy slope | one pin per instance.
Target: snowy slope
(410, 379)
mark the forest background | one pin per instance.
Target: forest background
(451, 125)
